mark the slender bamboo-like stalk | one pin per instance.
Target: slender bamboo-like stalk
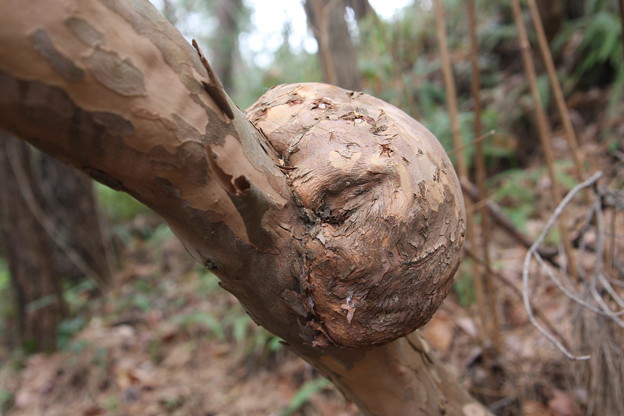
(621, 2)
(451, 91)
(489, 294)
(556, 87)
(462, 168)
(542, 127)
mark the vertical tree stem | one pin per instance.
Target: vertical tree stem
(556, 87)
(621, 2)
(451, 92)
(489, 295)
(489, 323)
(542, 127)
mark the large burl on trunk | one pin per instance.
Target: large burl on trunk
(333, 217)
(382, 214)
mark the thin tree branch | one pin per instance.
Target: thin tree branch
(532, 252)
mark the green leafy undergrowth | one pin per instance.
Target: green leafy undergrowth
(303, 395)
(516, 191)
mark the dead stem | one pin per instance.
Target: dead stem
(542, 126)
(490, 294)
(556, 87)
(489, 321)
(532, 252)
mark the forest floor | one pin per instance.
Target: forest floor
(167, 340)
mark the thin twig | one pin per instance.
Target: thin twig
(475, 142)
(518, 292)
(505, 224)
(600, 250)
(576, 298)
(532, 252)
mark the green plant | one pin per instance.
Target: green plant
(514, 190)
(5, 297)
(142, 302)
(6, 398)
(303, 395)
(202, 319)
(599, 47)
(154, 349)
(67, 329)
(4, 275)
(265, 341)
(118, 206)
(208, 282)
(112, 404)
(172, 403)
(158, 235)
(77, 296)
(463, 286)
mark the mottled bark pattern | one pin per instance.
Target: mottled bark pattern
(349, 198)
(382, 209)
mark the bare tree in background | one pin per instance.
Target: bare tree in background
(362, 9)
(336, 52)
(36, 289)
(225, 46)
(51, 231)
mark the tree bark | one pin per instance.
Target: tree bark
(336, 53)
(38, 299)
(334, 218)
(362, 10)
(76, 227)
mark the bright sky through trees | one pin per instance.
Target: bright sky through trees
(268, 20)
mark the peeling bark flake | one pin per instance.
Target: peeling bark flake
(213, 87)
(350, 307)
(85, 33)
(120, 76)
(44, 47)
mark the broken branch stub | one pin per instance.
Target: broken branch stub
(382, 208)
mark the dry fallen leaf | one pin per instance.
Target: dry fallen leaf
(439, 332)
(534, 408)
(562, 404)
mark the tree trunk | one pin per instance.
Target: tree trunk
(80, 243)
(362, 9)
(38, 299)
(334, 218)
(226, 40)
(336, 53)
